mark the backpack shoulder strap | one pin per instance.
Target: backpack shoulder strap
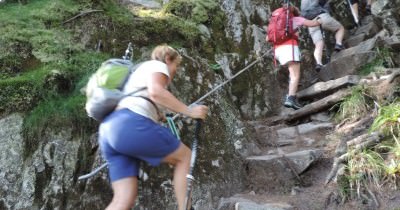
(132, 68)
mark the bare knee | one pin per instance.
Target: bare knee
(121, 205)
(125, 193)
(180, 156)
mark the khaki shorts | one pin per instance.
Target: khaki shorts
(328, 23)
(284, 54)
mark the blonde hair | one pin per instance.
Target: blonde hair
(164, 52)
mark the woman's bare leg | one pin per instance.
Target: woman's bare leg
(294, 74)
(125, 193)
(181, 160)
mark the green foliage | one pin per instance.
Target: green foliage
(369, 167)
(198, 11)
(383, 59)
(117, 13)
(388, 119)
(36, 34)
(353, 106)
(56, 113)
(215, 67)
(364, 168)
(203, 10)
(53, 46)
(23, 92)
(150, 31)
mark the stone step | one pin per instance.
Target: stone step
(347, 61)
(277, 172)
(321, 89)
(239, 202)
(393, 42)
(366, 31)
(303, 134)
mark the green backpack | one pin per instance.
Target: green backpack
(104, 88)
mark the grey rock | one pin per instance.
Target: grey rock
(275, 171)
(347, 61)
(311, 127)
(255, 206)
(321, 117)
(328, 87)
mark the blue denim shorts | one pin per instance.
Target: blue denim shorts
(127, 138)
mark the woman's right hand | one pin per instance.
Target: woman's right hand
(198, 111)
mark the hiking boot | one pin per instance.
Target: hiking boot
(338, 47)
(318, 67)
(291, 102)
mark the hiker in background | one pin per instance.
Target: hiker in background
(368, 7)
(287, 51)
(354, 5)
(132, 133)
(313, 9)
(354, 11)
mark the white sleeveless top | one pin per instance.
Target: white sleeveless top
(138, 80)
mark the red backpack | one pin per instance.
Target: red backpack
(277, 31)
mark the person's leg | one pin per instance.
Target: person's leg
(368, 7)
(339, 35)
(319, 47)
(123, 167)
(318, 40)
(294, 74)
(125, 192)
(355, 9)
(331, 24)
(181, 161)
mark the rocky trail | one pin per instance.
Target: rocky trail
(293, 156)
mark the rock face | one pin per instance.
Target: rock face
(40, 180)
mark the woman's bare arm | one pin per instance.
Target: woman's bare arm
(311, 23)
(162, 96)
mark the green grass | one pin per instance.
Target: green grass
(23, 92)
(365, 168)
(353, 106)
(34, 30)
(197, 11)
(388, 120)
(383, 59)
(378, 165)
(56, 114)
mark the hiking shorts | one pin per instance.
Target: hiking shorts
(127, 138)
(283, 54)
(328, 23)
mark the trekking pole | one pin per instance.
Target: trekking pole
(353, 13)
(225, 82)
(93, 172)
(189, 177)
(287, 18)
(128, 52)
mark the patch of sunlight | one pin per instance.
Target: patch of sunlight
(148, 13)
